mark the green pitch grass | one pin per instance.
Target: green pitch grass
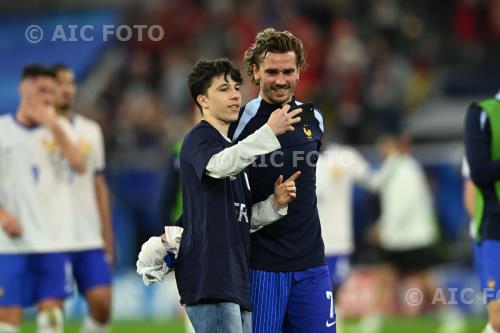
(391, 325)
(122, 327)
(423, 324)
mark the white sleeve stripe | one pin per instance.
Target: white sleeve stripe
(319, 117)
(482, 119)
(248, 113)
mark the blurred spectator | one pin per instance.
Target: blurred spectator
(346, 61)
(385, 87)
(405, 233)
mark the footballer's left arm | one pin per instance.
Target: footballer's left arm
(103, 203)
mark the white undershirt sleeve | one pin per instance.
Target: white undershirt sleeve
(233, 160)
(264, 213)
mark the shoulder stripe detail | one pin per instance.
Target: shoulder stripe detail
(482, 119)
(318, 115)
(248, 113)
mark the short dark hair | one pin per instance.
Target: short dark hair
(35, 70)
(202, 74)
(271, 40)
(60, 67)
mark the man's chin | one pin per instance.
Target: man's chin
(63, 107)
(280, 98)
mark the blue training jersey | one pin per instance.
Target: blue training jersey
(212, 265)
(293, 243)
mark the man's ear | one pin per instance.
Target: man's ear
(25, 87)
(203, 101)
(256, 74)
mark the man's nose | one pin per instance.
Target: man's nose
(280, 79)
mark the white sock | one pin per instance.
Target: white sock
(50, 321)
(489, 329)
(8, 328)
(92, 326)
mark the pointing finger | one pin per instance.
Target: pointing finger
(294, 176)
(279, 180)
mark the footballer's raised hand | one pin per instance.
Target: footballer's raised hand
(42, 113)
(281, 121)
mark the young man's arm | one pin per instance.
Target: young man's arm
(233, 160)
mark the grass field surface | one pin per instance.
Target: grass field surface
(391, 325)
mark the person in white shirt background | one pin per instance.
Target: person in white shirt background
(37, 156)
(406, 232)
(92, 251)
(338, 169)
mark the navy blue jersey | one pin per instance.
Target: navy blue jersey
(293, 243)
(212, 265)
(484, 171)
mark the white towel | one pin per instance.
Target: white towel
(150, 263)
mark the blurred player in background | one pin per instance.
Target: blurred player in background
(338, 169)
(406, 231)
(35, 205)
(291, 285)
(92, 252)
(482, 150)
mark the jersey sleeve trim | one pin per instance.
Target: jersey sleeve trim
(248, 113)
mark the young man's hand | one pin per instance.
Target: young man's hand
(285, 191)
(281, 121)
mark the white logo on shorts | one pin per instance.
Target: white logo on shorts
(329, 295)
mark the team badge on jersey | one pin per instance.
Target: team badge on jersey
(49, 144)
(307, 132)
(85, 147)
(2, 292)
(491, 283)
